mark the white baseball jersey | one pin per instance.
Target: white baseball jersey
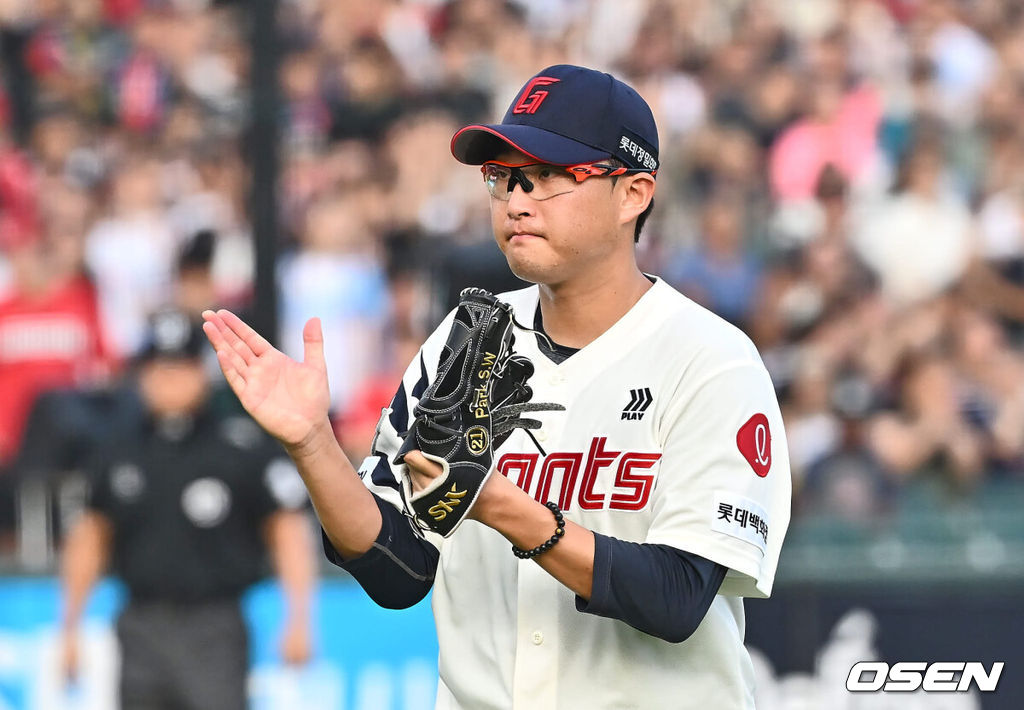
(671, 435)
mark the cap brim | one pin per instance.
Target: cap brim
(475, 145)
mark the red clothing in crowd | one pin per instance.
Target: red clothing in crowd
(849, 142)
(49, 341)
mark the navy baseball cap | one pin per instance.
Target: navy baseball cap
(568, 115)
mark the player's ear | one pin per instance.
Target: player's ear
(637, 193)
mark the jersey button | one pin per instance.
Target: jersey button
(541, 435)
(538, 638)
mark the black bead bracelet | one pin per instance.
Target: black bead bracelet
(552, 541)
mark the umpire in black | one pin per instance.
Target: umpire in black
(184, 506)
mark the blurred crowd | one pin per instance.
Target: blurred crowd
(843, 179)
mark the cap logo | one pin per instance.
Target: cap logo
(530, 100)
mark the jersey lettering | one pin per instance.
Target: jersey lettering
(569, 464)
(640, 484)
(597, 459)
(631, 490)
(523, 463)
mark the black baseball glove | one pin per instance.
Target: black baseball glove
(472, 406)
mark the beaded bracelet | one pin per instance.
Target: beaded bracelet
(544, 547)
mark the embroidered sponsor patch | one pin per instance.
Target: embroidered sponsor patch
(638, 151)
(754, 440)
(740, 518)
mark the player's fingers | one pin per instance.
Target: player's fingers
(256, 342)
(421, 469)
(236, 361)
(313, 344)
(222, 337)
(228, 338)
(229, 360)
(235, 382)
(212, 331)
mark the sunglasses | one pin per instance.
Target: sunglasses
(542, 181)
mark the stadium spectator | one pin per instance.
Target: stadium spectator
(932, 429)
(338, 276)
(993, 382)
(720, 273)
(919, 242)
(130, 251)
(50, 335)
(996, 278)
(840, 130)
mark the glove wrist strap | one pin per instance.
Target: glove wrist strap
(551, 542)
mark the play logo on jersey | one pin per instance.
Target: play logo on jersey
(754, 440)
(639, 401)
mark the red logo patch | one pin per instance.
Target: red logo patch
(529, 102)
(754, 440)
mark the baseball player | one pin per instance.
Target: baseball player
(624, 440)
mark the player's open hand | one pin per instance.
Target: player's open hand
(287, 398)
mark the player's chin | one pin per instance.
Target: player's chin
(531, 268)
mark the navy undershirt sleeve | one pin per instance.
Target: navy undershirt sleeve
(398, 571)
(657, 589)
